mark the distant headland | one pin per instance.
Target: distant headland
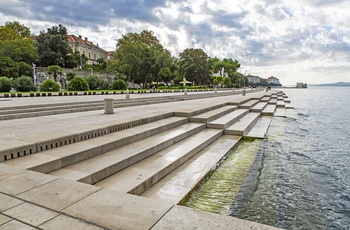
(333, 84)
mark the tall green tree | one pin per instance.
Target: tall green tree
(8, 68)
(20, 29)
(19, 50)
(193, 65)
(54, 70)
(53, 47)
(136, 55)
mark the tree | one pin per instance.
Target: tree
(24, 84)
(19, 50)
(53, 47)
(5, 84)
(20, 29)
(193, 65)
(136, 55)
(24, 69)
(8, 67)
(54, 70)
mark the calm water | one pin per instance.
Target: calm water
(300, 178)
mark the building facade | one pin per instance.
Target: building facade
(85, 47)
(253, 79)
(273, 80)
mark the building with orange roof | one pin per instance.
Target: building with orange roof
(85, 47)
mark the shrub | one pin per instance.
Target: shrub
(78, 84)
(92, 81)
(70, 76)
(24, 84)
(5, 84)
(49, 85)
(103, 84)
(119, 85)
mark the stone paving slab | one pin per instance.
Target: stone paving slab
(58, 194)
(63, 222)
(8, 202)
(23, 182)
(180, 217)
(31, 214)
(4, 219)
(14, 224)
(8, 171)
(116, 210)
(260, 128)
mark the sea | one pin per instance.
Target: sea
(296, 178)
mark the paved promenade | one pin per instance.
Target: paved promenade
(34, 200)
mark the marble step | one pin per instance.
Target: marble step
(248, 104)
(142, 175)
(213, 114)
(258, 107)
(178, 184)
(269, 110)
(259, 130)
(227, 120)
(244, 125)
(56, 158)
(280, 112)
(99, 167)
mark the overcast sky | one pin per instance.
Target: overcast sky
(293, 40)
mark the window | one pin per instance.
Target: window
(89, 55)
(95, 56)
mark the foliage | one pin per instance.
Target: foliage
(54, 70)
(8, 67)
(53, 46)
(218, 80)
(93, 82)
(19, 50)
(70, 76)
(24, 69)
(20, 29)
(119, 85)
(78, 84)
(224, 67)
(49, 85)
(73, 60)
(136, 56)
(24, 84)
(193, 65)
(5, 84)
(103, 84)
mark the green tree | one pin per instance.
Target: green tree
(193, 65)
(53, 47)
(136, 55)
(19, 50)
(119, 84)
(8, 67)
(24, 69)
(54, 70)
(20, 29)
(218, 80)
(92, 82)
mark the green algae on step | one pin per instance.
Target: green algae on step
(218, 192)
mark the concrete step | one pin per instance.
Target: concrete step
(213, 114)
(265, 99)
(244, 125)
(56, 158)
(178, 184)
(258, 107)
(280, 112)
(227, 120)
(260, 128)
(248, 104)
(273, 101)
(139, 177)
(269, 110)
(280, 104)
(99, 167)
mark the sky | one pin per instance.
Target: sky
(293, 40)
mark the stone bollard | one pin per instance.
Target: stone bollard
(185, 91)
(267, 89)
(216, 90)
(127, 94)
(233, 89)
(243, 92)
(109, 106)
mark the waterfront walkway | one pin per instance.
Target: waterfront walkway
(71, 169)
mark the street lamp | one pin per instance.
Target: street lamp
(34, 75)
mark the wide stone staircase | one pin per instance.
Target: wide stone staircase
(164, 158)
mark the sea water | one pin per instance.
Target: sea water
(300, 175)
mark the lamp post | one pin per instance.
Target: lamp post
(34, 75)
